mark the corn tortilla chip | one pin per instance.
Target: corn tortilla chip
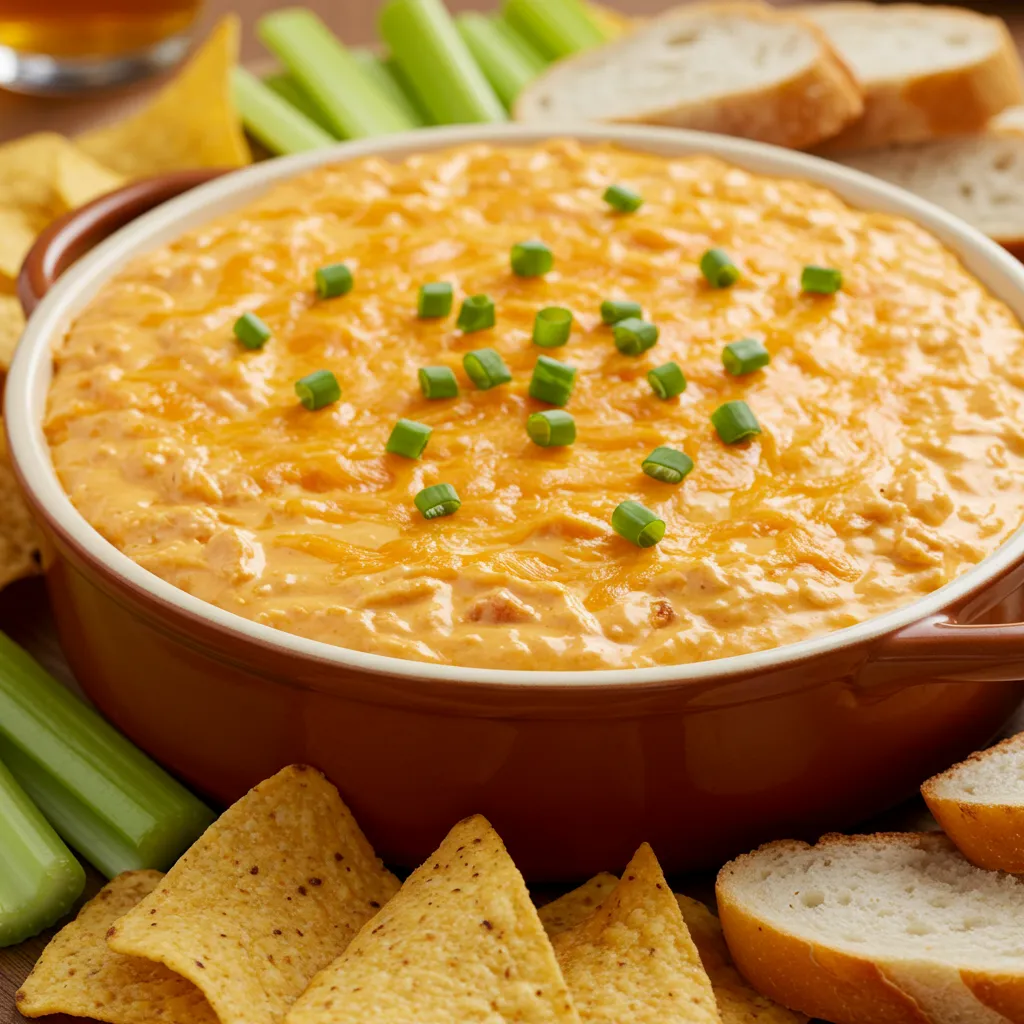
(12, 323)
(271, 893)
(633, 959)
(18, 541)
(460, 942)
(569, 910)
(191, 122)
(28, 168)
(79, 975)
(79, 179)
(18, 231)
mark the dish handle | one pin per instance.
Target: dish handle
(74, 234)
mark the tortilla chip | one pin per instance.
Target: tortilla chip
(633, 959)
(79, 975)
(80, 179)
(569, 910)
(460, 942)
(191, 122)
(28, 168)
(271, 893)
(18, 541)
(18, 230)
(12, 323)
(612, 22)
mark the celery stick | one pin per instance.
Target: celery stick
(431, 54)
(386, 75)
(516, 39)
(503, 65)
(557, 28)
(103, 796)
(291, 92)
(354, 105)
(271, 120)
(39, 879)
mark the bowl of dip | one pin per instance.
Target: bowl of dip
(241, 581)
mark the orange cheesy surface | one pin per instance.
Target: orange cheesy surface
(891, 457)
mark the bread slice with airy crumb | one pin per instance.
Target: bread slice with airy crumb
(980, 805)
(926, 71)
(886, 929)
(736, 68)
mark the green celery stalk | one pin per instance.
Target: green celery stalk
(39, 878)
(273, 121)
(103, 796)
(291, 92)
(388, 77)
(518, 41)
(503, 65)
(429, 51)
(355, 107)
(557, 28)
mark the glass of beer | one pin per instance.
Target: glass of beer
(63, 46)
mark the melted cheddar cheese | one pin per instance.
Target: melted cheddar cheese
(891, 458)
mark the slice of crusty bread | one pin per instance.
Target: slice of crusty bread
(884, 929)
(926, 71)
(736, 68)
(980, 805)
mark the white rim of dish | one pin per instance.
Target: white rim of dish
(29, 377)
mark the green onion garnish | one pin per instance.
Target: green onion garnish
(408, 438)
(333, 281)
(552, 326)
(251, 331)
(734, 422)
(552, 381)
(438, 382)
(438, 500)
(485, 368)
(667, 465)
(821, 280)
(531, 259)
(318, 389)
(745, 356)
(476, 314)
(623, 199)
(552, 428)
(633, 336)
(667, 380)
(718, 269)
(614, 310)
(435, 300)
(638, 524)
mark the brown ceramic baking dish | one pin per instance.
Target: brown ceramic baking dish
(574, 768)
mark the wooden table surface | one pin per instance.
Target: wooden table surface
(24, 612)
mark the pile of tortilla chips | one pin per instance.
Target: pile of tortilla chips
(282, 914)
(191, 122)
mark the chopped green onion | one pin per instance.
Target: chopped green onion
(614, 310)
(552, 381)
(667, 465)
(557, 28)
(553, 428)
(485, 368)
(531, 259)
(389, 79)
(251, 331)
(272, 120)
(667, 380)
(735, 421)
(745, 356)
(408, 438)
(634, 336)
(552, 327)
(435, 300)
(476, 314)
(102, 795)
(504, 65)
(821, 280)
(623, 199)
(333, 280)
(294, 95)
(354, 105)
(637, 524)
(438, 500)
(438, 382)
(39, 878)
(318, 389)
(718, 269)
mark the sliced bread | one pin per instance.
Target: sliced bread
(736, 68)
(980, 805)
(926, 71)
(885, 929)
